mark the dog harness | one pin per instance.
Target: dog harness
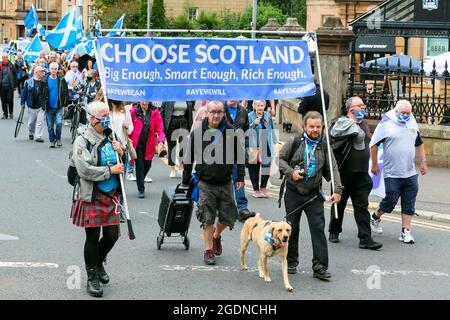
(268, 236)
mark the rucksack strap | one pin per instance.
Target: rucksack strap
(295, 145)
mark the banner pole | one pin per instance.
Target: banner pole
(122, 184)
(325, 117)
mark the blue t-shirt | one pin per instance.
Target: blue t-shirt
(108, 158)
(53, 93)
(233, 112)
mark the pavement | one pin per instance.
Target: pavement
(433, 200)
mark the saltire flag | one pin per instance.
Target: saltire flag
(117, 26)
(80, 49)
(64, 36)
(378, 188)
(31, 53)
(10, 51)
(97, 28)
(31, 21)
(80, 33)
(41, 30)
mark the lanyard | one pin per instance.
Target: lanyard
(309, 155)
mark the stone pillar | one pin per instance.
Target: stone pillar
(333, 44)
(287, 108)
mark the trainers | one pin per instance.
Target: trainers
(141, 194)
(369, 244)
(375, 225)
(217, 246)
(58, 143)
(257, 194)
(244, 214)
(208, 257)
(264, 193)
(11, 116)
(406, 237)
(173, 174)
(131, 177)
(292, 269)
(322, 274)
(148, 179)
(31, 137)
(39, 140)
(52, 144)
(334, 237)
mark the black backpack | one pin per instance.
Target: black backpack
(72, 174)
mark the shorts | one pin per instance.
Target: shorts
(406, 188)
(216, 200)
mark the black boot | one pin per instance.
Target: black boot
(93, 284)
(102, 275)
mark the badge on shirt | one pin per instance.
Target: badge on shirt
(79, 151)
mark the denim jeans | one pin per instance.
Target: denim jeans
(54, 118)
(241, 200)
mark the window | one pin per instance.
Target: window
(69, 7)
(38, 4)
(91, 21)
(79, 2)
(193, 13)
(3, 5)
(91, 10)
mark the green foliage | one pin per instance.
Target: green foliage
(209, 21)
(264, 13)
(158, 18)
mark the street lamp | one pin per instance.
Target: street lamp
(148, 15)
(255, 10)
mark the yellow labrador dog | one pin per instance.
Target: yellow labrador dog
(271, 238)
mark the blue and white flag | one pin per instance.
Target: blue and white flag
(31, 21)
(118, 26)
(41, 30)
(31, 53)
(97, 28)
(64, 36)
(10, 51)
(80, 49)
(187, 69)
(378, 188)
(80, 33)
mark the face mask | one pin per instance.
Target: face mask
(359, 115)
(104, 122)
(402, 118)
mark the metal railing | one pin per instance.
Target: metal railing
(381, 87)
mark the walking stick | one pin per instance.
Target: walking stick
(122, 185)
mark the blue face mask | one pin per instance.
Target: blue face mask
(105, 122)
(402, 118)
(359, 115)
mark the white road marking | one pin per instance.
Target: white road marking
(27, 265)
(403, 273)
(7, 237)
(177, 267)
(43, 165)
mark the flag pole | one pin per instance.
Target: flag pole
(122, 184)
(313, 36)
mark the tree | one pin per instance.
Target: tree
(158, 18)
(264, 13)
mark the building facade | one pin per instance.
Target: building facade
(86, 9)
(175, 8)
(13, 12)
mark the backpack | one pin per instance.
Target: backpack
(341, 146)
(72, 174)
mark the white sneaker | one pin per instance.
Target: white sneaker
(131, 177)
(406, 236)
(148, 179)
(375, 225)
(173, 174)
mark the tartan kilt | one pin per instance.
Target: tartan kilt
(98, 213)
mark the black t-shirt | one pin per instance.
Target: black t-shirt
(358, 161)
(143, 137)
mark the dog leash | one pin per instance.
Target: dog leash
(304, 204)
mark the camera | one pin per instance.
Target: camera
(301, 168)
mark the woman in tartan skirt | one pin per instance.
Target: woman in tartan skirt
(96, 202)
